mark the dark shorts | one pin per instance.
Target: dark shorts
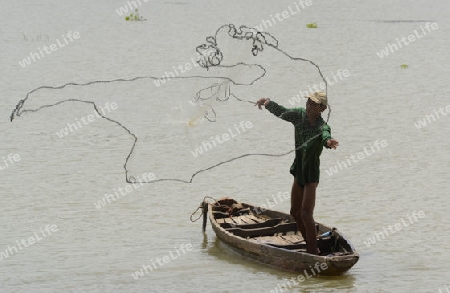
(304, 174)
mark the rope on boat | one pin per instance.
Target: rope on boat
(204, 206)
(200, 207)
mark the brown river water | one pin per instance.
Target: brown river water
(70, 221)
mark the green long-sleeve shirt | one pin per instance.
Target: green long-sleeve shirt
(309, 141)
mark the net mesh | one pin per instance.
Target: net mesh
(236, 67)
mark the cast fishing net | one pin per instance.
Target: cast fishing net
(182, 126)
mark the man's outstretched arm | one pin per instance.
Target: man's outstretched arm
(328, 141)
(290, 115)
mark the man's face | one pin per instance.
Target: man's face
(314, 109)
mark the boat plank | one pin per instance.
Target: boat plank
(256, 219)
(266, 231)
(253, 225)
(270, 240)
(292, 238)
(242, 220)
(220, 221)
(251, 219)
(228, 220)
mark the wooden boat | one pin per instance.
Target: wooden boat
(272, 238)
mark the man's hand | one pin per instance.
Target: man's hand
(332, 143)
(262, 101)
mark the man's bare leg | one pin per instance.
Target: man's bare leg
(309, 201)
(296, 206)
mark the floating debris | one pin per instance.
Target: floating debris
(134, 17)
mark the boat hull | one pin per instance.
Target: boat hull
(246, 242)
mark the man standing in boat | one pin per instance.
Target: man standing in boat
(312, 133)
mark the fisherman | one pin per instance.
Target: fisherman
(312, 133)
